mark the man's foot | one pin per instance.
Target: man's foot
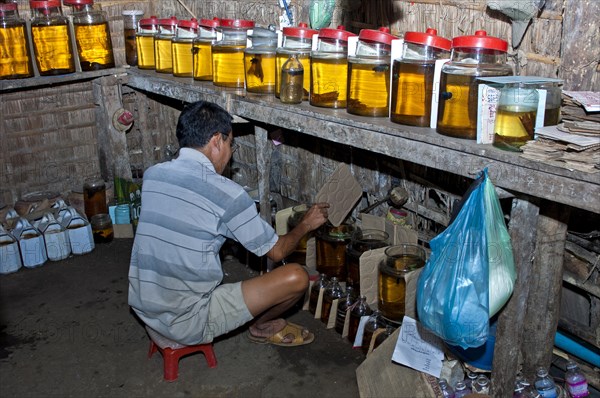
(280, 332)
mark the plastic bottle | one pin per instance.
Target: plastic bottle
(447, 391)
(375, 322)
(321, 283)
(470, 380)
(544, 384)
(361, 308)
(481, 385)
(575, 381)
(461, 390)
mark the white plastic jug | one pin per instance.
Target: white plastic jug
(31, 243)
(10, 258)
(58, 245)
(79, 231)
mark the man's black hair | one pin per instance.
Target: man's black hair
(199, 121)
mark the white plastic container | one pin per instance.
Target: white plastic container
(31, 244)
(10, 258)
(79, 231)
(58, 245)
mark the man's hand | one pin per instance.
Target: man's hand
(316, 216)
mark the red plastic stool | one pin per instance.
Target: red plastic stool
(173, 351)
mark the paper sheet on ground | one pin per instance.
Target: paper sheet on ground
(418, 348)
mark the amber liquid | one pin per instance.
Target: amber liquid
(329, 82)
(392, 286)
(260, 73)
(552, 116)
(52, 47)
(353, 260)
(131, 56)
(182, 59)
(412, 88)
(326, 308)
(94, 46)
(145, 50)
(202, 61)
(340, 317)
(103, 235)
(514, 126)
(94, 201)
(331, 258)
(228, 66)
(368, 89)
(163, 57)
(367, 337)
(313, 299)
(15, 63)
(304, 59)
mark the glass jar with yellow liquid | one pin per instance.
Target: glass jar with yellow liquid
(92, 35)
(52, 42)
(515, 116)
(329, 69)
(16, 62)
(296, 40)
(163, 56)
(259, 61)
(228, 53)
(144, 38)
(472, 57)
(412, 77)
(202, 48)
(369, 74)
(181, 48)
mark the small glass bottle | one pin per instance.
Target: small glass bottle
(202, 48)
(544, 384)
(481, 385)
(447, 391)
(369, 74)
(163, 56)
(575, 381)
(343, 305)
(52, 42)
(181, 48)
(296, 40)
(94, 197)
(102, 228)
(147, 29)
(461, 390)
(361, 308)
(374, 322)
(333, 292)
(515, 116)
(315, 290)
(131, 19)
(92, 35)
(259, 62)
(292, 80)
(228, 53)
(16, 62)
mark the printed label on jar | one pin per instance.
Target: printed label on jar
(578, 390)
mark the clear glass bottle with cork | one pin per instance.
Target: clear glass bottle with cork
(202, 48)
(181, 48)
(52, 42)
(228, 53)
(92, 35)
(292, 81)
(163, 56)
(296, 40)
(369, 74)
(16, 62)
(144, 38)
(131, 18)
(329, 69)
(412, 77)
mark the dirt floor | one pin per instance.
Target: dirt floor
(66, 331)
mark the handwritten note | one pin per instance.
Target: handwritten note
(418, 348)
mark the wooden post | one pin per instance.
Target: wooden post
(112, 144)
(509, 332)
(263, 164)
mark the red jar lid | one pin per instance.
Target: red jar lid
(8, 6)
(77, 2)
(168, 21)
(44, 4)
(302, 31)
(210, 23)
(338, 34)
(429, 38)
(149, 22)
(237, 23)
(184, 23)
(480, 40)
(381, 35)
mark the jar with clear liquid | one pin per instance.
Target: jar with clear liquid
(296, 40)
(202, 49)
(92, 35)
(398, 261)
(16, 62)
(181, 47)
(163, 54)
(472, 57)
(329, 69)
(412, 77)
(333, 292)
(292, 81)
(52, 42)
(331, 245)
(228, 53)
(515, 116)
(362, 241)
(147, 29)
(131, 19)
(369, 74)
(259, 62)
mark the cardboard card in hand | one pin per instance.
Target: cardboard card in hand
(341, 191)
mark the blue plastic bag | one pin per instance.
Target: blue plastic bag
(453, 288)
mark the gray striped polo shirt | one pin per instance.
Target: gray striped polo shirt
(188, 211)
